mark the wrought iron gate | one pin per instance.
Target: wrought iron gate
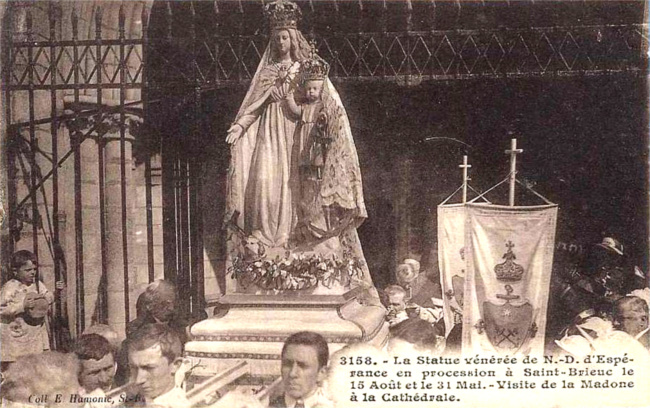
(71, 115)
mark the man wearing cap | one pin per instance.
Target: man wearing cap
(607, 266)
(600, 280)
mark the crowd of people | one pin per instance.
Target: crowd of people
(600, 302)
(148, 369)
(597, 302)
(144, 368)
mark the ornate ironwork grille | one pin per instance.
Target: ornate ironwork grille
(73, 89)
(407, 42)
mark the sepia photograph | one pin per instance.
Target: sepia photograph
(324, 203)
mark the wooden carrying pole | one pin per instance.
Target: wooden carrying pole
(210, 386)
(465, 167)
(513, 169)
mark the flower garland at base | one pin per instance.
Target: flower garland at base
(296, 271)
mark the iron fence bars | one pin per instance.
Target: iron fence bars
(122, 70)
(60, 325)
(194, 253)
(32, 133)
(75, 144)
(102, 297)
(197, 287)
(225, 56)
(144, 18)
(7, 242)
(50, 54)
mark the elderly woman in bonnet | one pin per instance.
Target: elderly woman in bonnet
(419, 295)
(421, 290)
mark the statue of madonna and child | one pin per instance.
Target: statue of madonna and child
(294, 194)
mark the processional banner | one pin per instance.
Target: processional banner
(451, 261)
(509, 256)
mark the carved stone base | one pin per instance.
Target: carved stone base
(253, 328)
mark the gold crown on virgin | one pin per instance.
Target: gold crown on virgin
(282, 14)
(314, 68)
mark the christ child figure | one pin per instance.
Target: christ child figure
(311, 140)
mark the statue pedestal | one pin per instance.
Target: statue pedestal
(254, 327)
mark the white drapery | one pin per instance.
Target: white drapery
(451, 260)
(509, 256)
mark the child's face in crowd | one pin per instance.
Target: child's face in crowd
(632, 321)
(313, 90)
(26, 274)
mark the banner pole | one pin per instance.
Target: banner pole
(465, 166)
(513, 169)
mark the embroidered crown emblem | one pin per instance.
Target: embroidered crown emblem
(282, 14)
(314, 68)
(509, 270)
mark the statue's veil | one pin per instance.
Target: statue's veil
(242, 150)
(300, 50)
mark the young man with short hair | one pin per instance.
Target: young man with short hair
(97, 363)
(154, 352)
(304, 366)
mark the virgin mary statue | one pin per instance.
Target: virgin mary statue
(270, 205)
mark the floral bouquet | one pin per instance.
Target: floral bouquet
(296, 271)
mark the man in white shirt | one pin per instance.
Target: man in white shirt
(304, 367)
(154, 357)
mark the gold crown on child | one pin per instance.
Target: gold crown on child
(314, 68)
(282, 14)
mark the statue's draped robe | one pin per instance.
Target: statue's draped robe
(264, 194)
(264, 185)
